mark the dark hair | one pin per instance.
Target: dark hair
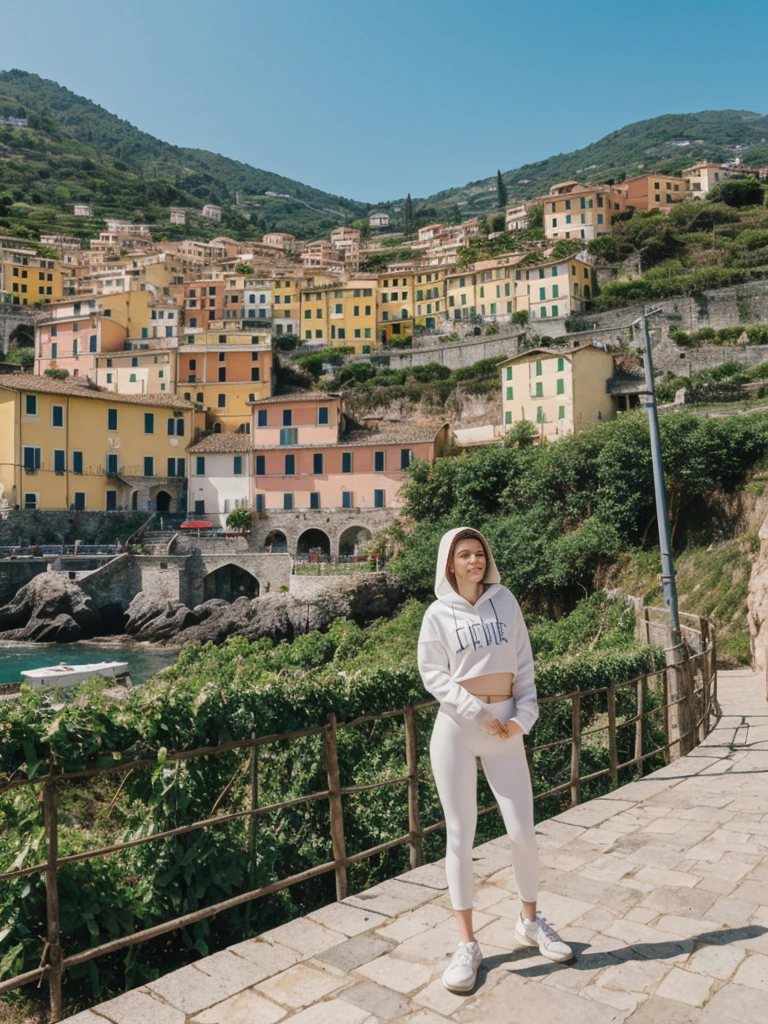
(466, 534)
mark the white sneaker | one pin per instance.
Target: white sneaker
(460, 974)
(541, 933)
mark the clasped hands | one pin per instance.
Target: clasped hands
(506, 730)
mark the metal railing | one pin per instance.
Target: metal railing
(690, 708)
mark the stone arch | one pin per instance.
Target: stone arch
(229, 582)
(314, 541)
(276, 542)
(353, 538)
(135, 500)
(163, 501)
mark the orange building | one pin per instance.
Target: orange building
(653, 191)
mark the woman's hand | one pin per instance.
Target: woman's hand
(513, 728)
(496, 728)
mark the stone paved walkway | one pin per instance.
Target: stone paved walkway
(661, 888)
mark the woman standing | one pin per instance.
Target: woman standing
(473, 649)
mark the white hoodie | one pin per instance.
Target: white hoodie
(459, 640)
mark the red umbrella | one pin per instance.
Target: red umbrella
(197, 524)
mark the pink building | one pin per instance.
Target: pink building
(306, 458)
(73, 335)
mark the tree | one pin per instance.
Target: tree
(738, 192)
(501, 192)
(408, 214)
(244, 268)
(522, 435)
(240, 518)
(498, 223)
(521, 317)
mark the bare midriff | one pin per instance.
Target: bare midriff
(493, 687)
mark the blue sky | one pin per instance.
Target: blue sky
(374, 100)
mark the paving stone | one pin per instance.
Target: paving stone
(658, 1010)
(383, 1002)
(245, 1008)
(140, 1007)
(401, 975)
(716, 961)
(555, 832)
(300, 986)
(432, 875)
(735, 1004)
(679, 900)
(437, 997)
(634, 975)
(270, 957)
(731, 912)
(347, 920)
(517, 1002)
(305, 936)
(414, 922)
(659, 877)
(391, 898)
(356, 951)
(685, 987)
(438, 943)
(423, 1017)
(335, 1011)
(753, 972)
(752, 892)
(191, 990)
(625, 1002)
(593, 813)
(86, 1017)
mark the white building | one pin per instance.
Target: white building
(702, 177)
(378, 220)
(220, 475)
(516, 218)
(212, 212)
(280, 240)
(82, 210)
(178, 216)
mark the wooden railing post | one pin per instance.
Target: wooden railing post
(412, 760)
(253, 825)
(575, 748)
(55, 956)
(612, 744)
(641, 684)
(337, 812)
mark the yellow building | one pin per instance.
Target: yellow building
(572, 210)
(30, 279)
(653, 191)
(340, 314)
(486, 289)
(286, 296)
(395, 301)
(65, 445)
(559, 392)
(137, 371)
(557, 288)
(224, 371)
(430, 297)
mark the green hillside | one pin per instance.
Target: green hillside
(74, 150)
(644, 145)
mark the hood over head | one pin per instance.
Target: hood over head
(443, 588)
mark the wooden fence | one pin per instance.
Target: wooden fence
(689, 683)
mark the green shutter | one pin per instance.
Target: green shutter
(560, 386)
(539, 390)
(510, 394)
(538, 367)
(509, 373)
(508, 417)
(560, 364)
(561, 412)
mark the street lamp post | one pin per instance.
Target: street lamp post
(667, 566)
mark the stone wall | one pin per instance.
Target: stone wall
(461, 410)
(457, 353)
(314, 588)
(115, 584)
(16, 574)
(23, 527)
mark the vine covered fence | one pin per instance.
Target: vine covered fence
(663, 712)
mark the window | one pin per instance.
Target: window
(260, 465)
(560, 364)
(59, 461)
(542, 293)
(287, 417)
(261, 418)
(561, 412)
(149, 423)
(54, 349)
(288, 502)
(79, 501)
(539, 389)
(346, 499)
(222, 374)
(508, 417)
(111, 501)
(317, 462)
(77, 462)
(111, 419)
(289, 435)
(221, 402)
(290, 465)
(132, 378)
(406, 457)
(555, 291)
(314, 499)
(149, 465)
(30, 405)
(237, 465)
(378, 498)
(30, 501)
(31, 459)
(510, 393)
(509, 373)
(538, 367)
(346, 462)
(555, 311)
(560, 386)
(200, 465)
(92, 342)
(378, 462)
(259, 502)
(57, 416)
(540, 414)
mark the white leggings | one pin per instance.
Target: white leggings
(456, 744)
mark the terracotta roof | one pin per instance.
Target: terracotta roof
(393, 434)
(48, 385)
(222, 443)
(299, 396)
(552, 352)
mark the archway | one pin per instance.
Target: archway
(162, 501)
(229, 582)
(313, 542)
(354, 538)
(134, 500)
(276, 542)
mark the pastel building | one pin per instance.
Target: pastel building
(572, 210)
(29, 279)
(429, 298)
(138, 372)
(560, 393)
(64, 445)
(220, 475)
(557, 288)
(702, 177)
(653, 191)
(395, 305)
(71, 336)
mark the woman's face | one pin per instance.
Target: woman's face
(468, 562)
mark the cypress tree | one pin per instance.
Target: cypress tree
(501, 191)
(408, 214)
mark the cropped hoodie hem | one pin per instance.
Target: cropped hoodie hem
(459, 640)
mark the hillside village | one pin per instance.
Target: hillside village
(161, 378)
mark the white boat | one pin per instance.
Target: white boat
(68, 675)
